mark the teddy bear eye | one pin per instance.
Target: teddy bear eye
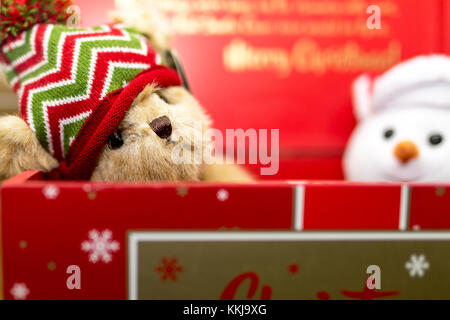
(436, 139)
(162, 97)
(115, 140)
(388, 133)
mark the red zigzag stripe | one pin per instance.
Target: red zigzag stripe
(55, 114)
(38, 57)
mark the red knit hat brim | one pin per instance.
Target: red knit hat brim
(83, 155)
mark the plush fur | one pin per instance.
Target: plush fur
(142, 15)
(20, 150)
(144, 156)
(403, 128)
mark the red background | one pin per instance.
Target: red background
(313, 112)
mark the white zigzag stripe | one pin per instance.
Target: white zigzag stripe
(26, 56)
(54, 70)
(72, 80)
(19, 41)
(47, 35)
(113, 66)
(29, 54)
(61, 42)
(64, 122)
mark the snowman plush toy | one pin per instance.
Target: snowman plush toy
(403, 132)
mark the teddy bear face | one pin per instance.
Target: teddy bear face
(149, 143)
(160, 138)
(403, 144)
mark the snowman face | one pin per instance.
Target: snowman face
(403, 144)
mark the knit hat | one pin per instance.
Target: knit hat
(74, 85)
(420, 81)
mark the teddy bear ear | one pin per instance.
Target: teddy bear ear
(362, 97)
(20, 149)
(143, 16)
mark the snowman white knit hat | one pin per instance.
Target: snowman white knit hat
(420, 81)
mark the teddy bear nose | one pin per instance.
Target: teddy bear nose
(162, 127)
(405, 151)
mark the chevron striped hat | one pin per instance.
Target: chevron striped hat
(74, 85)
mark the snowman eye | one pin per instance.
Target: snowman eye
(388, 133)
(435, 139)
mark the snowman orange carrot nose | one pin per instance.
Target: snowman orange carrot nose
(405, 151)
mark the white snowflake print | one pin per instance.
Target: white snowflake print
(222, 195)
(20, 291)
(100, 246)
(417, 265)
(51, 192)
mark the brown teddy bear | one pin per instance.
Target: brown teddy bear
(97, 103)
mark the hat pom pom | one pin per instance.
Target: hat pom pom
(19, 15)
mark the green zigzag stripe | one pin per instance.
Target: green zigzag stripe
(22, 50)
(81, 78)
(52, 55)
(18, 52)
(70, 132)
(119, 74)
(10, 75)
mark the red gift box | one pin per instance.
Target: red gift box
(49, 226)
(266, 240)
